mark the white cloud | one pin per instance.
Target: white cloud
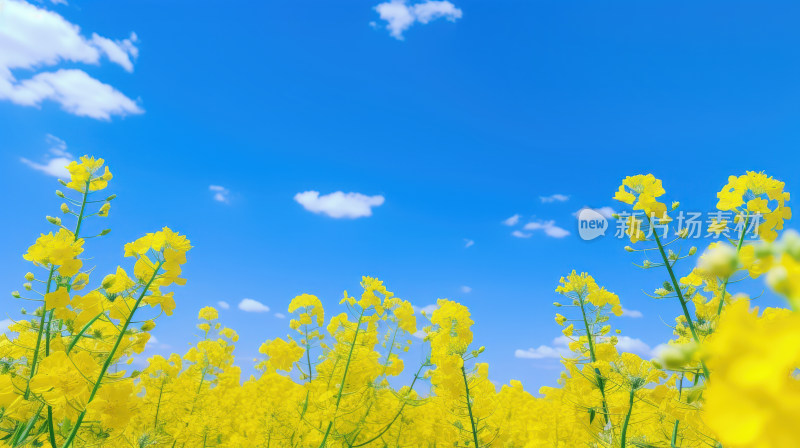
(466, 289)
(554, 198)
(77, 92)
(4, 324)
(224, 305)
(520, 234)
(419, 334)
(427, 309)
(633, 345)
(548, 227)
(55, 161)
(633, 314)
(512, 221)
(339, 204)
(253, 306)
(559, 349)
(468, 242)
(399, 16)
(221, 194)
(606, 212)
(154, 343)
(280, 315)
(32, 38)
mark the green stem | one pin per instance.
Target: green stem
(344, 377)
(158, 406)
(627, 420)
(469, 408)
(83, 330)
(32, 370)
(600, 382)
(389, 425)
(83, 208)
(673, 442)
(678, 291)
(107, 363)
(308, 351)
(725, 284)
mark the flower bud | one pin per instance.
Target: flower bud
(683, 233)
(556, 304)
(646, 264)
(629, 248)
(108, 281)
(778, 280)
(60, 194)
(762, 250)
(105, 232)
(64, 208)
(27, 286)
(675, 204)
(677, 356)
(15, 294)
(29, 276)
(791, 243)
(111, 198)
(692, 250)
(721, 261)
(54, 221)
(149, 325)
(62, 182)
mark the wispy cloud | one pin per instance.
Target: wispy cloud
(520, 234)
(339, 204)
(559, 349)
(548, 227)
(33, 38)
(224, 305)
(512, 221)
(633, 314)
(399, 15)
(55, 161)
(221, 194)
(280, 315)
(466, 289)
(468, 242)
(554, 198)
(252, 306)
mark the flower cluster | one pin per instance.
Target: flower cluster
(727, 378)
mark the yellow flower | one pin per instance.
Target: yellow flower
(764, 195)
(753, 398)
(86, 173)
(208, 313)
(282, 355)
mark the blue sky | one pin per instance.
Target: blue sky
(459, 116)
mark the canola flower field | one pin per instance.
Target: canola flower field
(727, 379)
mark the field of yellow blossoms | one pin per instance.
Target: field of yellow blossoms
(728, 378)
